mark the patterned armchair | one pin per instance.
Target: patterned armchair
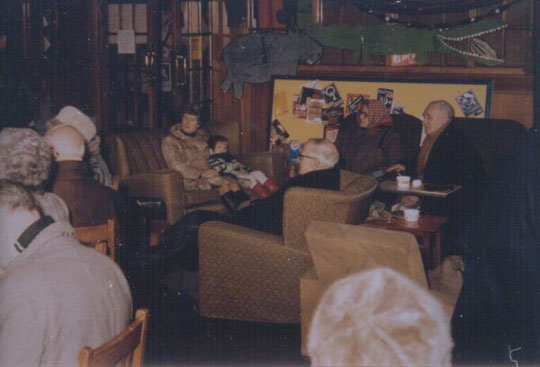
(248, 275)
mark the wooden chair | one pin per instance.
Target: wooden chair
(125, 349)
(99, 237)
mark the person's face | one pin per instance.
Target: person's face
(362, 118)
(433, 119)
(221, 147)
(307, 161)
(190, 123)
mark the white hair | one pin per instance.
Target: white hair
(379, 318)
(444, 107)
(324, 150)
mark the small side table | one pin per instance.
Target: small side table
(424, 227)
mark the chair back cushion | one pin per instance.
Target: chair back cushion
(339, 250)
(139, 152)
(492, 137)
(348, 205)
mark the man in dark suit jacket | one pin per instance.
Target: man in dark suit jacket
(316, 169)
(445, 157)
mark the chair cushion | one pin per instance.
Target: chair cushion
(143, 152)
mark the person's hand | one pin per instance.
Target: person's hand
(209, 173)
(398, 167)
(409, 201)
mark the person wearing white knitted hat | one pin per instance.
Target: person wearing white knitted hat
(73, 117)
(379, 318)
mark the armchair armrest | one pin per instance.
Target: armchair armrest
(248, 275)
(165, 184)
(271, 163)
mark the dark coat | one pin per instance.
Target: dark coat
(499, 303)
(267, 214)
(454, 160)
(88, 201)
(366, 151)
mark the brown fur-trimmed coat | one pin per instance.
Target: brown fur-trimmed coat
(189, 156)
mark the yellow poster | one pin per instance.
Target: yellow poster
(303, 107)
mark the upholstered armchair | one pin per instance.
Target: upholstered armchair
(249, 275)
(340, 250)
(137, 159)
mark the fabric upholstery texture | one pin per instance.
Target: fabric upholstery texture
(137, 158)
(339, 250)
(249, 275)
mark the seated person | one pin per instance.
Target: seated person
(89, 201)
(26, 157)
(223, 162)
(369, 144)
(185, 150)
(73, 117)
(379, 318)
(316, 169)
(57, 295)
(448, 157)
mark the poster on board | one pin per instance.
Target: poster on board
(306, 106)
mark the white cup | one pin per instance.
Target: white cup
(403, 182)
(416, 183)
(411, 215)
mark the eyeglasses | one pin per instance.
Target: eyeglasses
(306, 156)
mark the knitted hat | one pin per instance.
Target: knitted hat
(25, 156)
(379, 318)
(72, 116)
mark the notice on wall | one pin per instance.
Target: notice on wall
(126, 41)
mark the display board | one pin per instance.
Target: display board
(310, 108)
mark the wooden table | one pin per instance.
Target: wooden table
(391, 187)
(424, 227)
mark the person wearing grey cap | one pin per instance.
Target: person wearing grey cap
(26, 157)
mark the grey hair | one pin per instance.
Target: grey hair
(25, 157)
(445, 107)
(325, 151)
(14, 195)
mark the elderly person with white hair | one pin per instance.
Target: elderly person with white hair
(57, 296)
(26, 157)
(316, 169)
(72, 116)
(379, 318)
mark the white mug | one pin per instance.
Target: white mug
(411, 215)
(403, 182)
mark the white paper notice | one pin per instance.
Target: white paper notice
(126, 41)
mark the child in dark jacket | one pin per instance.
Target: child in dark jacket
(227, 165)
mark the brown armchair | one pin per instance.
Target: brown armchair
(137, 159)
(249, 275)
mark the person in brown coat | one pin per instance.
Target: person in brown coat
(186, 150)
(89, 202)
(56, 295)
(370, 144)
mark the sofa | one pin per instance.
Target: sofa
(137, 159)
(491, 137)
(250, 275)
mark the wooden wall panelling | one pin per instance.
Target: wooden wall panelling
(99, 75)
(267, 15)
